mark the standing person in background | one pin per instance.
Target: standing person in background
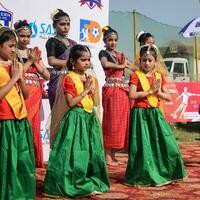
(35, 74)
(143, 38)
(17, 167)
(154, 157)
(115, 101)
(77, 165)
(58, 48)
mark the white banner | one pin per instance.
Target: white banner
(87, 19)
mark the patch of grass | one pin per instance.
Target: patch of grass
(186, 132)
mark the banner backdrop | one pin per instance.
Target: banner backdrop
(87, 19)
(185, 104)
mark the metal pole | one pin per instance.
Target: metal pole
(134, 33)
(197, 56)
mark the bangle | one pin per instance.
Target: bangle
(82, 95)
(163, 95)
(150, 92)
(42, 72)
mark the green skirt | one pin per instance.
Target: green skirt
(154, 157)
(17, 165)
(77, 164)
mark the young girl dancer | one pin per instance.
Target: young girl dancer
(77, 164)
(58, 48)
(115, 101)
(17, 167)
(35, 73)
(154, 157)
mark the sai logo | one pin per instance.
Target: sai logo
(90, 31)
(34, 29)
(91, 3)
(6, 16)
(41, 29)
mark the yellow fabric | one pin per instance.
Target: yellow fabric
(14, 98)
(86, 101)
(153, 99)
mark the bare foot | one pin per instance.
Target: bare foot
(111, 163)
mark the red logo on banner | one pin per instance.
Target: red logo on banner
(185, 103)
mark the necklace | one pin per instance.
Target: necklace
(63, 39)
(82, 76)
(22, 54)
(7, 62)
(21, 48)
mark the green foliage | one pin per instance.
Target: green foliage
(186, 132)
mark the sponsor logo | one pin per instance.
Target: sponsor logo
(91, 3)
(197, 24)
(42, 30)
(6, 16)
(90, 31)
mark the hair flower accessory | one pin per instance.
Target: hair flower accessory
(54, 13)
(105, 28)
(139, 34)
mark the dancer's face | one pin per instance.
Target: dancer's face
(111, 42)
(147, 63)
(7, 50)
(24, 37)
(150, 41)
(62, 26)
(83, 62)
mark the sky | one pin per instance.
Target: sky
(172, 12)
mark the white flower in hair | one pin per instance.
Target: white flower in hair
(155, 47)
(139, 34)
(54, 13)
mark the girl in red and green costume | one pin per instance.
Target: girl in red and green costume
(16, 143)
(35, 74)
(154, 157)
(77, 165)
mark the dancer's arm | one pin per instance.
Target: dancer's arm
(73, 101)
(56, 63)
(110, 65)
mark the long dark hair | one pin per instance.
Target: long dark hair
(6, 34)
(75, 53)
